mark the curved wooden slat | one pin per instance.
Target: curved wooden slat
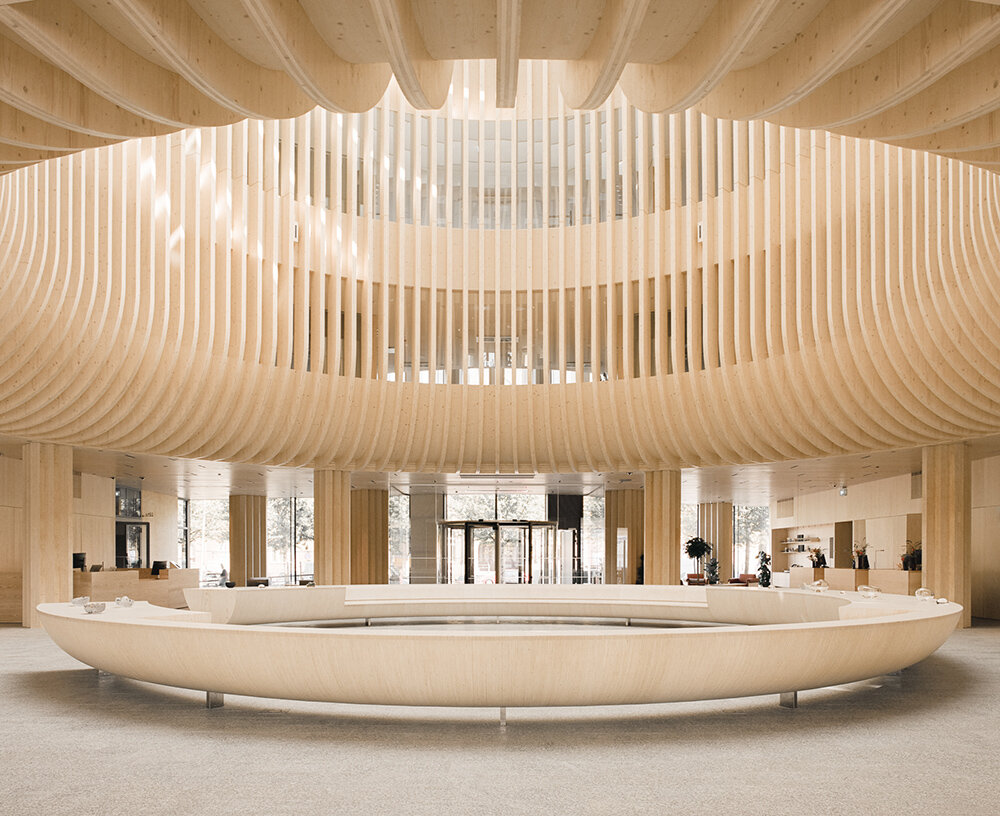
(424, 81)
(586, 83)
(843, 297)
(685, 79)
(327, 79)
(196, 54)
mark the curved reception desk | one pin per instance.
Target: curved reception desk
(474, 645)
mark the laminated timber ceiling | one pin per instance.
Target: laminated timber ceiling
(916, 73)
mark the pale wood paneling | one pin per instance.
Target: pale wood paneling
(247, 538)
(623, 509)
(332, 549)
(11, 538)
(11, 482)
(95, 536)
(10, 596)
(663, 527)
(769, 338)
(139, 585)
(986, 538)
(947, 522)
(48, 528)
(370, 537)
(94, 519)
(986, 562)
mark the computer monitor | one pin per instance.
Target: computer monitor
(157, 566)
(79, 561)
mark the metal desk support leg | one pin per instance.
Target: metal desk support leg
(788, 699)
(214, 699)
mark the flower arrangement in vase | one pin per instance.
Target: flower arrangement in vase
(817, 557)
(861, 554)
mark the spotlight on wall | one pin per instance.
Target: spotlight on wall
(843, 490)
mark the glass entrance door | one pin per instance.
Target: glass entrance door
(481, 553)
(515, 564)
(490, 552)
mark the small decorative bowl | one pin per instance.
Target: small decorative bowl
(818, 586)
(124, 601)
(925, 594)
(230, 584)
(869, 593)
(80, 601)
(93, 607)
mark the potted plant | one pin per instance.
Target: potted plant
(918, 553)
(697, 548)
(860, 554)
(764, 570)
(712, 571)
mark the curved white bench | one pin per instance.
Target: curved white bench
(766, 641)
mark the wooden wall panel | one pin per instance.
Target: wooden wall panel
(947, 523)
(332, 519)
(623, 509)
(94, 518)
(663, 527)
(48, 528)
(247, 538)
(369, 536)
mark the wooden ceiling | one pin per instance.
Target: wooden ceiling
(85, 73)
(744, 484)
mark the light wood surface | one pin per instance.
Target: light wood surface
(332, 514)
(624, 509)
(247, 538)
(947, 524)
(648, 348)
(369, 536)
(897, 582)
(48, 528)
(10, 597)
(845, 578)
(82, 74)
(800, 640)
(661, 527)
(167, 590)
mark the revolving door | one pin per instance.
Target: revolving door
(499, 552)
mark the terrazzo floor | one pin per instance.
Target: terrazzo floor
(72, 742)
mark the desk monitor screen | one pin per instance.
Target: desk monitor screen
(79, 561)
(157, 566)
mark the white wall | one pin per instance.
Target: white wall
(160, 510)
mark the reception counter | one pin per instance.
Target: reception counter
(139, 584)
(891, 581)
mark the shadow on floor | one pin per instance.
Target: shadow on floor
(936, 682)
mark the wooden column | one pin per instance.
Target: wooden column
(663, 527)
(370, 537)
(947, 524)
(47, 559)
(715, 525)
(622, 508)
(332, 554)
(247, 538)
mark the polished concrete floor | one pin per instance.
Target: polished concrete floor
(75, 743)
